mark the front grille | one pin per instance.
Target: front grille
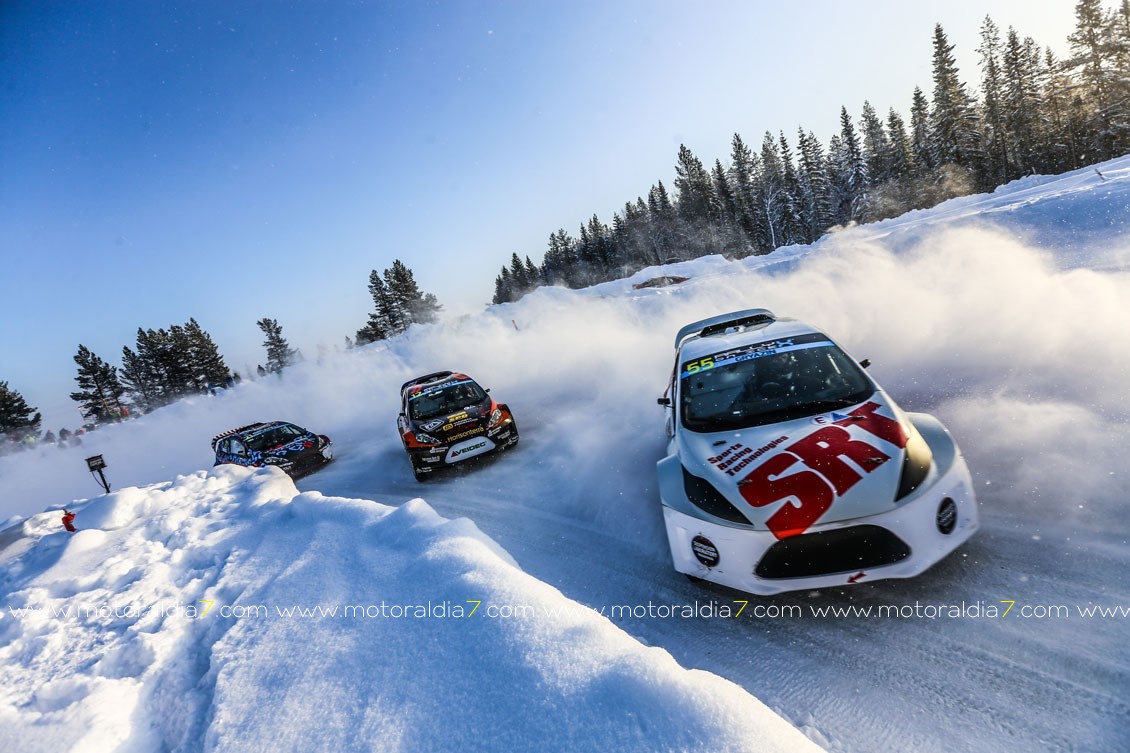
(840, 551)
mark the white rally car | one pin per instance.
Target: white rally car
(789, 468)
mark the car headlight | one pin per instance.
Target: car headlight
(423, 438)
(496, 417)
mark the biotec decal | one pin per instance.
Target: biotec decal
(826, 477)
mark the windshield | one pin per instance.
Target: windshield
(274, 436)
(769, 382)
(444, 399)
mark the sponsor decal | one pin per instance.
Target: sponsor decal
(465, 434)
(705, 551)
(756, 350)
(439, 388)
(737, 456)
(432, 425)
(830, 419)
(462, 421)
(472, 448)
(824, 475)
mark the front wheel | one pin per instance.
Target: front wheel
(420, 474)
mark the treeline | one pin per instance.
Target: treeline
(164, 366)
(167, 364)
(1035, 114)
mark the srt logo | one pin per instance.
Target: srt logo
(828, 476)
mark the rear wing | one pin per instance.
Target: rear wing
(716, 324)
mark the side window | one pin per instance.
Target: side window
(223, 446)
(238, 448)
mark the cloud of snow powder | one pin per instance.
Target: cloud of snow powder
(1026, 363)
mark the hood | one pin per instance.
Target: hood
(462, 424)
(787, 477)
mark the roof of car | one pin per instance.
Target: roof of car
(243, 431)
(697, 346)
(427, 382)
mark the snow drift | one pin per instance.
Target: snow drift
(227, 611)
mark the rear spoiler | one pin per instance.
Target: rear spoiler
(229, 432)
(716, 324)
(425, 379)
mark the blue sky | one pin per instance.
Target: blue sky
(229, 161)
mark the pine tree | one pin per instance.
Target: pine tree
(279, 353)
(503, 291)
(664, 222)
(1021, 103)
(384, 317)
(203, 355)
(139, 380)
(518, 276)
(1063, 140)
(816, 208)
(413, 306)
(161, 370)
(695, 204)
(770, 198)
(726, 214)
(999, 165)
(1101, 47)
(902, 163)
(792, 230)
(920, 131)
(876, 146)
(100, 391)
(559, 265)
(17, 419)
(533, 275)
(744, 177)
(954, 133)
(849, 173)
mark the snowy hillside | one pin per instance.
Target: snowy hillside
(1004, 314)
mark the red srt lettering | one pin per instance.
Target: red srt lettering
(809, 493)
(824, 450)
(884, 428)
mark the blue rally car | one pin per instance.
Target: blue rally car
(278, 443)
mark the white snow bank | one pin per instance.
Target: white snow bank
(226, 611)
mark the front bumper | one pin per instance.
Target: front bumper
(901, 543)
(427, 459)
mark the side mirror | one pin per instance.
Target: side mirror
(865, 362)
(487, 389)
(664, 401)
